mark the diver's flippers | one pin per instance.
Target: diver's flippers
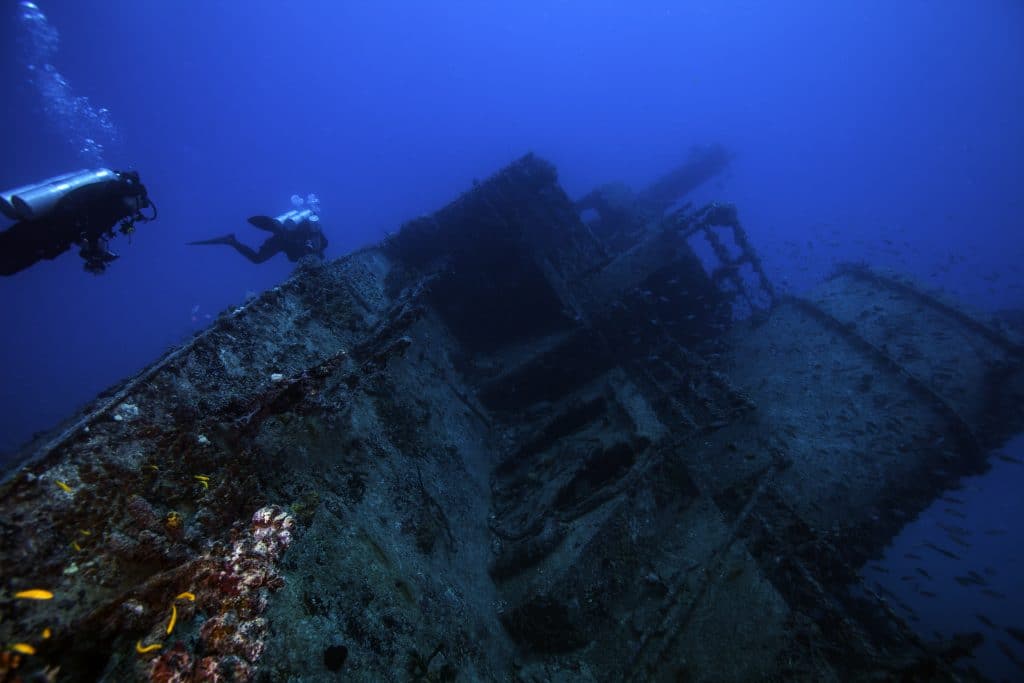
(225, 239)
(265, 223)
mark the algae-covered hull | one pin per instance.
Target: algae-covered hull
(509, 445)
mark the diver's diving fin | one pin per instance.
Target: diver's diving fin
(265, 223)
(224, 239)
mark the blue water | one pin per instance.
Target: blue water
(877, 131)
(980, 523)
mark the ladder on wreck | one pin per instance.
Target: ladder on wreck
(752, 294)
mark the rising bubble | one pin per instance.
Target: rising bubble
(85, 127)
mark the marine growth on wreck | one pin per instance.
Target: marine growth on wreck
(523, 438)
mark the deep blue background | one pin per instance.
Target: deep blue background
(877, 130)
(850, 123)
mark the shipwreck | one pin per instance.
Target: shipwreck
(525, 438)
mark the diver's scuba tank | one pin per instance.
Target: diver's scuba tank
(305, 211)
(7, 207)
(295, 217)
(32, 202)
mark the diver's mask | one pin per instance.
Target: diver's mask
(135, 198)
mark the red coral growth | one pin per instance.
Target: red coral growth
(233, 638)
(217, 669)
(225, 634)
(173, 666)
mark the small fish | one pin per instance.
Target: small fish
(905, 607)
(1009, 654)
(23, 648)
(955, 513)
(143, 649)
(63, 486)
(951, 529)
(34, 594)
(174, 619)
(878, 568)
(884, 591)
(928, 594)
(923, 573)
(977, 578)
(951, 555)
(202, 479)
(959, 541)
(1017, 633)
(993, 594)
(985, 620)
(1010, 459)
(46, 633)
(912, 556)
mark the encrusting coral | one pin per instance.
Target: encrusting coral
(232, 592)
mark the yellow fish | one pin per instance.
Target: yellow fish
(173, 621)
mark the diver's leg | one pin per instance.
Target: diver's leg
(250, 253)
(25, 243)
(17, 250)
(224, 239)
(243, 249)
(270, 248)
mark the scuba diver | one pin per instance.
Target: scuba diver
(81, 208)
(295, 233)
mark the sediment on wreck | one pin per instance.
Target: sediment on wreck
(508, 444)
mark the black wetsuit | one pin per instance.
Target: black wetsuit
(86, 216)
(304, 239)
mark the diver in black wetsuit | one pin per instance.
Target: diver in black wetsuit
(296, 234)
(81, 208)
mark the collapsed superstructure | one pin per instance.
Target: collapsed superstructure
(511, 443)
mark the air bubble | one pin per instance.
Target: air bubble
(78, 121)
